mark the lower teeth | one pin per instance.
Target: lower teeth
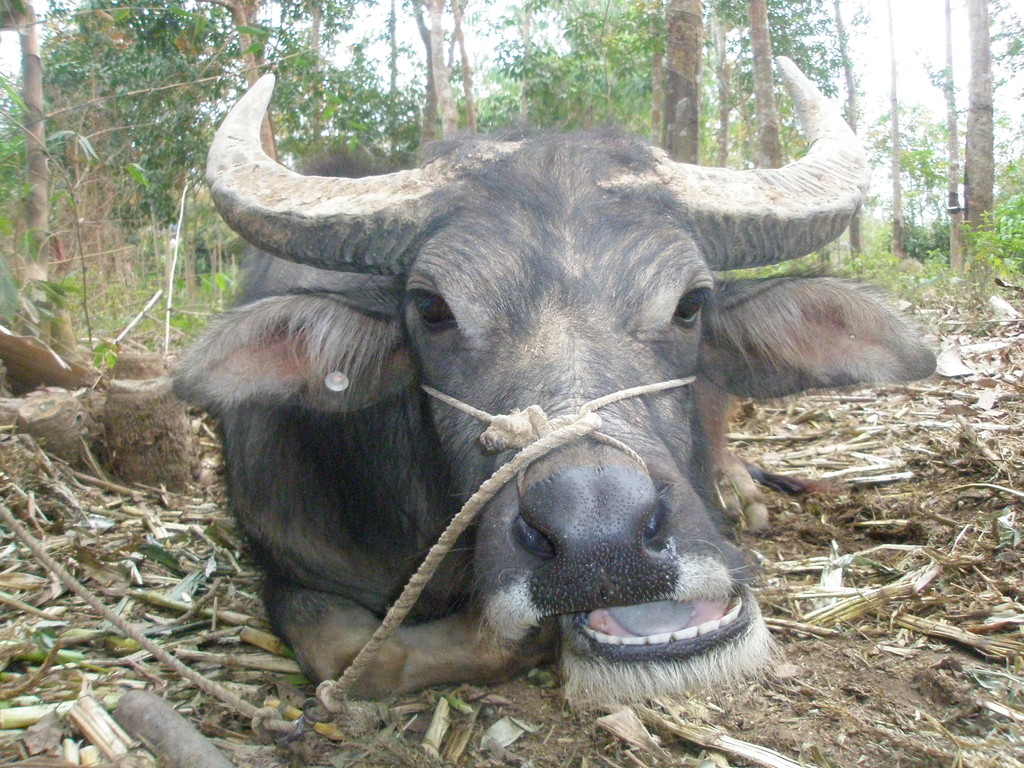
(667, 637)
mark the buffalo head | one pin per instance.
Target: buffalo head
(543, 270)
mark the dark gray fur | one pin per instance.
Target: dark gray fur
(564, 289)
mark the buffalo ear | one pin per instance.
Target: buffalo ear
(280, 351)
(779, 336)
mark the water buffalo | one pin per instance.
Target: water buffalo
(508, 272)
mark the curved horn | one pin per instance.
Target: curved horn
(355, 225)
(757, 217)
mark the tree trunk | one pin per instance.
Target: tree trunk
(467, 69)
(956, 212)
(851, 111)
(525, 35)
(55, 329)
(37, 210)
(898, 245)
(657, 94)
(769, 151)
(979, 171)
(428, 131)
(245, 13)
(685, 35)
(315, 104)
(442, 81)
(393, 49)
(723, 80)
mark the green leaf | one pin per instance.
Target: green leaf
(104, 354)
(86, 146)
(138, 173)
(163, 556)
(254, 31)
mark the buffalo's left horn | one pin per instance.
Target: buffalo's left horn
(755, 217)
(368, 224)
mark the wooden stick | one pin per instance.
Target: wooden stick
(137, 319)
(172, 270)
(150, 719)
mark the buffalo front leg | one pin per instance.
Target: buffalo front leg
(737, 480)
(326, 632)
(741, 498)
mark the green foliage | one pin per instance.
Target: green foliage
(130, 91)
(134, 93)
(803, 30)
(8, 294)
(587, 64)
(923, 180)
(1000, 245)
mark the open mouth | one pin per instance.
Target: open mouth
(662, 629)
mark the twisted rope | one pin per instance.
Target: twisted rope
(535, 435)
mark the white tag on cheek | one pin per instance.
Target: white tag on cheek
(336, 381)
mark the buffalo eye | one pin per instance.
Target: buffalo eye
(689, 307)
(434, 311)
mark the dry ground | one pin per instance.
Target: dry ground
(896, 599)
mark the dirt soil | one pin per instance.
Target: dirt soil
(895, 596)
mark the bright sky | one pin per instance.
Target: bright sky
(920, 32)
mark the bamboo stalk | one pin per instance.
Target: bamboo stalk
(715, 738)
(855, 606)
(460, 737)
(99, 727)
(997, 647)
(798, 626)
(261, 661)
(268, 642)
(156, 598)
(438, 728)
(23, 717)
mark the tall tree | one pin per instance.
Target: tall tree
(657, 88)
(439, 70)
(723, 88)
(428, 128)
(685, 38)
(467, 69)
(953, 206)
(851, 108)
(393, 48)
(37, 209)
(979, 166)
(769, 150)
(55, 328)
(898, 227)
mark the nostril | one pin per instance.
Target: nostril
(655, 527)
(533, 540)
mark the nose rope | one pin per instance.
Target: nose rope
(539, 437)
(518, 429)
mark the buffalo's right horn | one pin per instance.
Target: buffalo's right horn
(755, 217)
(368, 224)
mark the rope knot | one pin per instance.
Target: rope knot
(516, 430)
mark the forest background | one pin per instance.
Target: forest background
(103, 208)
